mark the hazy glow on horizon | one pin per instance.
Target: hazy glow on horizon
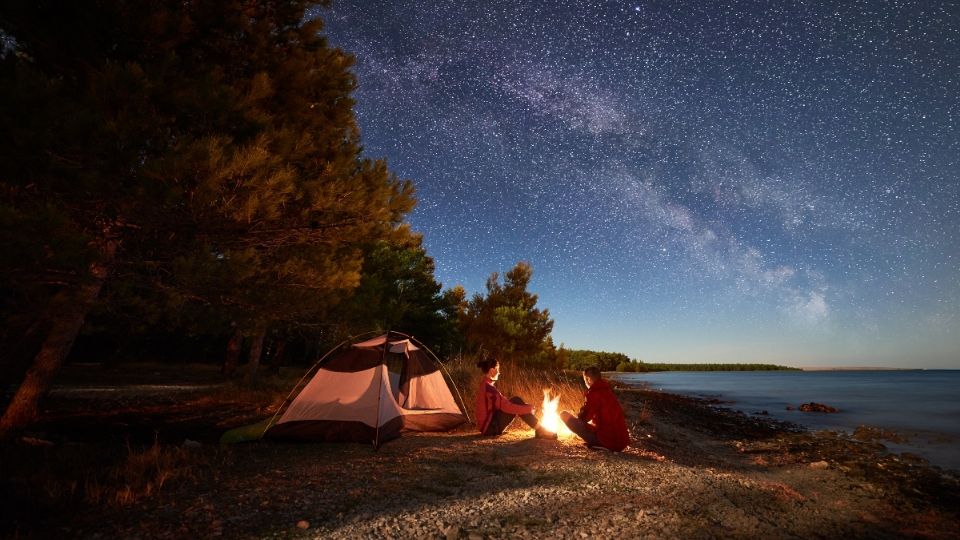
(758, 183)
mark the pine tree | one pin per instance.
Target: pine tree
(207, 150)
(398, 291)
(506, 323)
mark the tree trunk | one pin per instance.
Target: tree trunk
(232, 356)
(69, 310)
(256, 347)
(279, 346)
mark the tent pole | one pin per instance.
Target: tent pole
(383, 356)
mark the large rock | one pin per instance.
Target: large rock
(817, 407)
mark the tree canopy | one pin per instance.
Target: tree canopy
(506, 323)
(398, 291)
(204, 151)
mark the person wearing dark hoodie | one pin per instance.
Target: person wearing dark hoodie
(600, 422)
(495, 412)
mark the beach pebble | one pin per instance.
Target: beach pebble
(509, 489)
(452, 532)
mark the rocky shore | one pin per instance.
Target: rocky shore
(696, 471)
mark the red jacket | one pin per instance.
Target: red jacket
(489, 399)
(603, 409)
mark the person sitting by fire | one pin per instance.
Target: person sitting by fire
(495, 412)
(600, 422)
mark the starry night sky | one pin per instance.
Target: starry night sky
(692, 181)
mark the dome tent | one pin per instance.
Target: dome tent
(369, 392)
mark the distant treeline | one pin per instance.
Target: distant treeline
(643, 366)
(608, 361)
(582, 359)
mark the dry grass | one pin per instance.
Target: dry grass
(96, 475)
(141, 474)
(41, 482)
(269, 392)
(529, 384)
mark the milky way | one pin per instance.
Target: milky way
(699, 181)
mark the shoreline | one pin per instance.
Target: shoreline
(695, 470)
(934, 442)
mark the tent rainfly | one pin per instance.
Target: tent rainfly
(370, 392)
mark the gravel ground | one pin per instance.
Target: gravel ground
(695, 472)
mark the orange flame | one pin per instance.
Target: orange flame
(550, 419)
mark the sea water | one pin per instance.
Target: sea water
(923, 405)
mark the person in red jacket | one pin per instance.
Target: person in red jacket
(600, 421)
(495, 412)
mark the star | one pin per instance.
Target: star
(785, 171)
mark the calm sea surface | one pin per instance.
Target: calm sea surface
(925, 405)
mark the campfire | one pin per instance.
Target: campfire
(550, 419)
